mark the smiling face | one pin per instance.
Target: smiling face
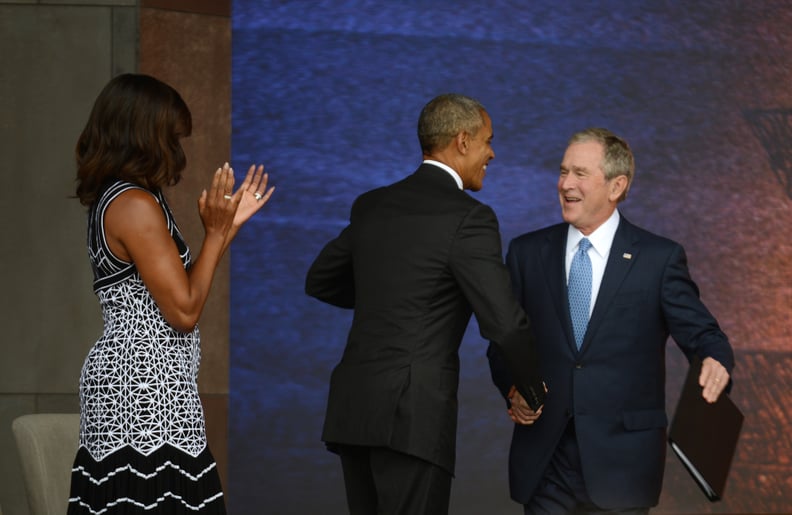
(478, 154)
(587, 198)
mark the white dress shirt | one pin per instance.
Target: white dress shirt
(601, 240)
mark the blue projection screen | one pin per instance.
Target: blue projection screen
(327, 94)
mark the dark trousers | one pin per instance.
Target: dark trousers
(562, 490)
(380, 481)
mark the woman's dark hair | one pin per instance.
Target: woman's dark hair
(132, 134)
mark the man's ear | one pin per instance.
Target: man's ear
(617, 185)
(462, 141)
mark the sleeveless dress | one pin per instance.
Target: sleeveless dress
(142, 433)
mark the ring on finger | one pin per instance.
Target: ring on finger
(258, 195)
(227, 196)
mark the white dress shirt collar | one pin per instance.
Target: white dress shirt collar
(448, 169)
(601, 239)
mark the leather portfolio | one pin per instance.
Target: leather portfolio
(704, 436)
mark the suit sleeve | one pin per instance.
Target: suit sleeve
(689, 321)
(477, 264)
(498, 369)
(331, 277)
(479, 270)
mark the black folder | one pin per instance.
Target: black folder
(704, 436)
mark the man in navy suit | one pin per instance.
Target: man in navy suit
(417, 258)
(598, 445)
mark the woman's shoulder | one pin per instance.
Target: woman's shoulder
(118, 186)
(116, 189)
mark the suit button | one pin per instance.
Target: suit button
(578, 365)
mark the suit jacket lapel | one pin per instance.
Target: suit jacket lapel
(623, 253)
(553, 260)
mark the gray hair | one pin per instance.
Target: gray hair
(446, 116)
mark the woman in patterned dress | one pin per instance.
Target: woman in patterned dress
(142, 434)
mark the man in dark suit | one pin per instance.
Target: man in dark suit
(598, 444)
(415, 259)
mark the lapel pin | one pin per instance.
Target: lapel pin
(627, 255)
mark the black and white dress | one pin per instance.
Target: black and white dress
(142, 433)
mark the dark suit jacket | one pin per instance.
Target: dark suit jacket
(415, 259)
(615, 386)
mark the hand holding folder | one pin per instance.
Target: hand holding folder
(704, 436)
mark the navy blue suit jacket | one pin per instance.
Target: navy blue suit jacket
(614, 387)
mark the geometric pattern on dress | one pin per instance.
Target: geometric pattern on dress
(138, 384)
(168, 481)
(147, 507)
(145, 486)
(132, 470)
(580, 290)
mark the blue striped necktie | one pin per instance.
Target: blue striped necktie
(580, 290)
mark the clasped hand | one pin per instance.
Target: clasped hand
(519, 411)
